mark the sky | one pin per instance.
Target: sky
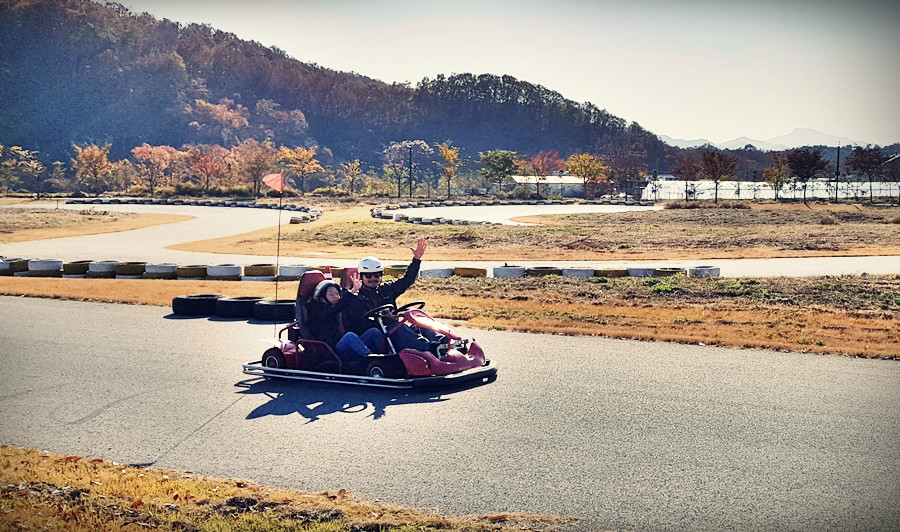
(688, 69)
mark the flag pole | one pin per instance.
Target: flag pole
(276, 182)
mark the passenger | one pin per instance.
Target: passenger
(326, 321)
(374, 293)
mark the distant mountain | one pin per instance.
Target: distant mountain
(796, 139)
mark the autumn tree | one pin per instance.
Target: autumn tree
(686, 171)
(92, 167)
(21, 166)
(251, 160)
(590, 170)
(717, 166)
(301, 162)
(777, 173)
(544, 164)
(450, 163)
(351, 173)
(626, 159)
(224, 121)
(867, 161)
(892, 172)
(805, 164)
(155, 164)
(498, 165)
(208, 163)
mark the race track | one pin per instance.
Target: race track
(623, 434)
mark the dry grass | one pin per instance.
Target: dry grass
(44, 491)
(762, 231)
(20, 225)
(847, 315)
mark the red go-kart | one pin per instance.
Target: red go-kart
(302, 357)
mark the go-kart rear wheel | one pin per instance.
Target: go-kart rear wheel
(273, 358)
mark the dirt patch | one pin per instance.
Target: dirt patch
(21, 225)
(642, 235)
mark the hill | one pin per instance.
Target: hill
(75, 71)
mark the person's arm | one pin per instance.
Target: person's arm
(396, 288)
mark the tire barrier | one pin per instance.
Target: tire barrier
(641, 272)
(441, 273)
(703, 271)
(292, 272)
(611, 272)
(470, 272)
(193, 272)
(236, 307)
(396, 270)
(195, 304)
(274, 310)
(509, 272)
(224, 272)
(45, 267)
(666, 272)
(130, 270)
(260, 270)
(165, 270)
(14, 266)
(581, 273)
(101, 269)
(78, 267)
(541, 271)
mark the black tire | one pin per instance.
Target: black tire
(236, 307)
(273, 358)
(275, 310)
(195, 304)
(388, 367)
(376, 370)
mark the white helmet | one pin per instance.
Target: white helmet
(319, 292)
(370, 265)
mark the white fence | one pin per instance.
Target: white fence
(748, 190)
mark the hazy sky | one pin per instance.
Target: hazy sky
(688, 69)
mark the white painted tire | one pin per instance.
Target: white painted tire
(641, 272)
(223, 270)
(102, 266)
(703, 271)
(292, 271)
(45, 265)
(436, 272)
(509, 272)
(165, 267)
(578, 272)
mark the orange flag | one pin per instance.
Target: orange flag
(275, 181)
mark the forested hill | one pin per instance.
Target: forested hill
(74, 71)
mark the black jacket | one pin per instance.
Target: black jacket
(369, 298)
(326, 321)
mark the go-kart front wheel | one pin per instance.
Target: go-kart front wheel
(376, 370)
(273, 358)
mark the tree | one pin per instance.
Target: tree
(155, 163)
(351, 173)
(251, 160)
(207, 162)
(301, 162)
(625, 157)
(686, 171)
(450, 157)
(92, 167)
(498, 164)
(21, 166)
(544, 164)
(867, 161)
(400, 155)
(776, 174)
(223, 121)
(590, 170)
(717, 166)
(805, 164)
(892, 172)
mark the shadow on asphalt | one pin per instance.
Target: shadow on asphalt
(315, 400)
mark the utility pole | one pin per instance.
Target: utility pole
(410, 171)
(837, 173)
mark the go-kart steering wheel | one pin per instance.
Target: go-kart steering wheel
(379, 310)
(412, 305)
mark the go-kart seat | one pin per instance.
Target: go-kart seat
(307, 286)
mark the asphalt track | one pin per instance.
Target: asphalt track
(623, 434)
(152, 244)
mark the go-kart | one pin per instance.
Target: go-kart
(302, 357)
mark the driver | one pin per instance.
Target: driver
(374, 293)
